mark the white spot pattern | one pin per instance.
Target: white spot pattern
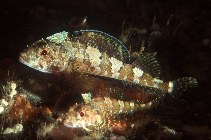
(170, 86)
(137, 73)
(115, 67)
(94, 56)
(156, 82)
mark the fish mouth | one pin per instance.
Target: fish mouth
(22, 60)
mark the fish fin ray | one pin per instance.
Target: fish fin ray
(104, 42)
(182, 84)
(148, 62)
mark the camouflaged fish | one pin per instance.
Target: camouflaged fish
(97, 113)
(97, 53)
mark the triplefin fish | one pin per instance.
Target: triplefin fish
(96, 113)
(97, 53)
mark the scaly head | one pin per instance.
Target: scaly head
(84, 116)
(47, 55)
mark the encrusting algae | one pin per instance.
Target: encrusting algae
(17, 109)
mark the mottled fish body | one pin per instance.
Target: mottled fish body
(94, 53)
(97, 113)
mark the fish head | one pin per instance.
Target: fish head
(45, 56)
(83, 116)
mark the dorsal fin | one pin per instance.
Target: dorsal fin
(149, 63)
(104, 42)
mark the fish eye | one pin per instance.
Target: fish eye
(44, 52)
(81, 114)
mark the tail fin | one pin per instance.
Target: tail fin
(182, 84)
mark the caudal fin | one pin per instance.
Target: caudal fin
(182, 84)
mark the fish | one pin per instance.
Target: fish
(96, 53)
(97, 114)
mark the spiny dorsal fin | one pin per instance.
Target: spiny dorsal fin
(149, 63)
(104, 42)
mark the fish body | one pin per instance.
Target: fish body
(97, 113)
(94, 53)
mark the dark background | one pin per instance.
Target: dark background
(184, 48)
